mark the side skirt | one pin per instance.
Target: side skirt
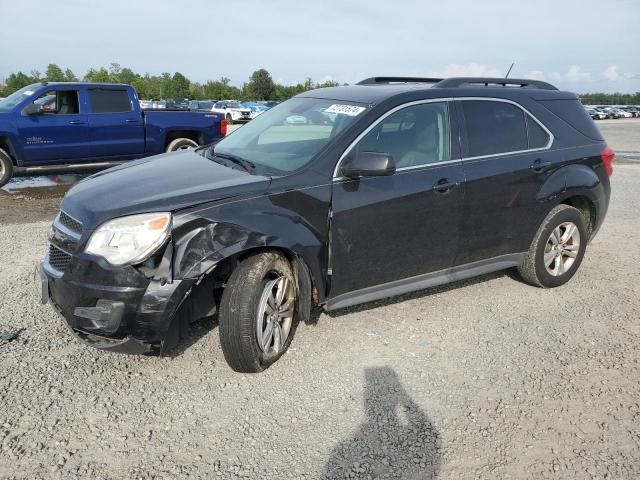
(427, 280)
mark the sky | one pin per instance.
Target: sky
(583, 46)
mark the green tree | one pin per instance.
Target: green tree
(101, 75)
(261, 85)
(69, 76)
(54, 73)
(180, 85)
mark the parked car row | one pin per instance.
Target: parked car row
(233, 110)
(602, 112)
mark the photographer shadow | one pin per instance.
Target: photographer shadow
(397, 441)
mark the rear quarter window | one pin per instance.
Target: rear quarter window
(572, 112)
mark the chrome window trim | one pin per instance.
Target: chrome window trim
(462, 158)
(513, 152)
(385, 115)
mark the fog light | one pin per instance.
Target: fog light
(105, 316)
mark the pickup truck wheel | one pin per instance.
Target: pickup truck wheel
(181, 144)
(6, 167)
(258, 312)
(229, 119)
(557, 249)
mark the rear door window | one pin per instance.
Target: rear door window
(494, 127)
(105, 100)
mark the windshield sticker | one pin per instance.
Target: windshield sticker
(350, 110)
(28, 93)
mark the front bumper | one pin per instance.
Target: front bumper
(112, 309)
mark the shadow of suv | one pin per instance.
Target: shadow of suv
(406, 183)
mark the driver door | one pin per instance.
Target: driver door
(387, 229)
(58, 132)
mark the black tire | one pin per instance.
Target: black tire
(239, 310)
(6, 168)
(533, 269)
(181, 144)
(229, 119)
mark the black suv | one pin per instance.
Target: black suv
(407, 183)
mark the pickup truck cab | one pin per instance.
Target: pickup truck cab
(61, 126)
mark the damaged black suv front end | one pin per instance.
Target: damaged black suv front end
(123, 308)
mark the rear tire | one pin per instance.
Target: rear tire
(229, 119)
(260, 298)
(6, 168)
(557, 249)
(181, 144)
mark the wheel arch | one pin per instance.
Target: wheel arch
(581, 187)
(172, 135)
(7, 146)
(215, 249)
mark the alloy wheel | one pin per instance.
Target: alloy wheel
(275, 314)
(562, 248)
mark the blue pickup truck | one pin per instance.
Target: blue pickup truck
(66, 126)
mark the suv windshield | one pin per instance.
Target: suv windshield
(286, 137)
(15, 98)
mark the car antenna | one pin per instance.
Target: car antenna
(509, 71)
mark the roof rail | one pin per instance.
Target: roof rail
(387, 80)
(457, 82)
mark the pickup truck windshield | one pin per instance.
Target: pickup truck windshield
(7, 104)
(288, 136)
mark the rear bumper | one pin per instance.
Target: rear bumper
(126, 312)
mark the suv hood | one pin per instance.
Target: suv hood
(162, 183)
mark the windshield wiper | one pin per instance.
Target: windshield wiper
(246, 164)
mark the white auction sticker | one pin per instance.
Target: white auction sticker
(28, 93)
(350, 110)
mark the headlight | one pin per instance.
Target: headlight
(130, 240)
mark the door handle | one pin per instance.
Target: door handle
(539, 166)
(76, 122)
(131, 120)
(444, 185)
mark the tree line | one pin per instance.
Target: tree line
(259, 87)
(610, 98)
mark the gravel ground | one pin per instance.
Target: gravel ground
(488, 378)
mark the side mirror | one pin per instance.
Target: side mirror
(368, 164)
(32, 109)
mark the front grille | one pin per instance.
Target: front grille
(58, 259)
(69, 222)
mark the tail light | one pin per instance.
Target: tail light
(223, 127)
(607, 159)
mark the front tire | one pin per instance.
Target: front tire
(258, 312)
(181, 144)
(6, 168)
(229, 119)
(557, 250)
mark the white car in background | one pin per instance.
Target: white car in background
(233, 111)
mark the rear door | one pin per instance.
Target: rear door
(59, 132)
(116, 128)
(389, 228)
(505, 161)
